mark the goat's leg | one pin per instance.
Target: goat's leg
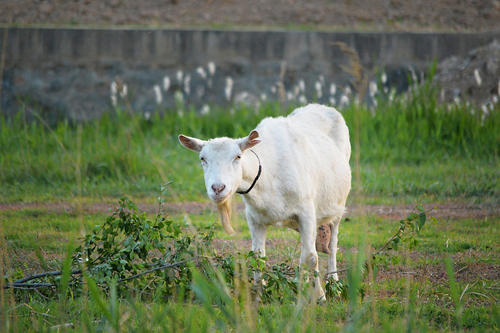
(309, 256)
(332, 257)
(258, 234)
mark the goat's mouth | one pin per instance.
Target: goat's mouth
(220, 198)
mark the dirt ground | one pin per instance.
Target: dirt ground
(392, 212)
(364, 15)
(466, 270)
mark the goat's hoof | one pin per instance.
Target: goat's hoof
(257, 295)
(257, 289)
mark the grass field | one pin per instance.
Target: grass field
(57, 182)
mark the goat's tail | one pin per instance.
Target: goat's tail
(224, 210)
(340, 133)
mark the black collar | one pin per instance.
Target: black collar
(256, 177)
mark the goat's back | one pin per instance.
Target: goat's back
(320, 118)
(305, 156)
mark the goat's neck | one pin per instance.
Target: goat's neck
(250, 165)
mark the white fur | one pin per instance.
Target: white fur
(305, 178)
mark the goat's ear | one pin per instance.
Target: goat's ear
(249, 141)
(191, 143)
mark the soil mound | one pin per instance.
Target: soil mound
(474, 78)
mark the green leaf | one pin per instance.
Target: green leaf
(412, 216)
(421, 221)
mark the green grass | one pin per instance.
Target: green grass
(196, 318)
(31, 229)
(472, 243)
(410, 149)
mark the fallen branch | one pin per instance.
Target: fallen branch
(28, 285)
(44, 274)
(20, 284)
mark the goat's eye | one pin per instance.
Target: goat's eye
(237, 157)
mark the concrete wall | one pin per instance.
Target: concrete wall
(69, 72)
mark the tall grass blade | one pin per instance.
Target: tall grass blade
(454, 291)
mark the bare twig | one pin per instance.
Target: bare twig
(327, 275)
(28, 285)
(44, 274)
(43, 314)
(41, 294)
(386, 245)
(66, 325)
(153, 270)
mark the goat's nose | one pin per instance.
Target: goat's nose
(218, 188)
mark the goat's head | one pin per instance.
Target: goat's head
(221, 162)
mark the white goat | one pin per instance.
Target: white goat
(304, 183)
